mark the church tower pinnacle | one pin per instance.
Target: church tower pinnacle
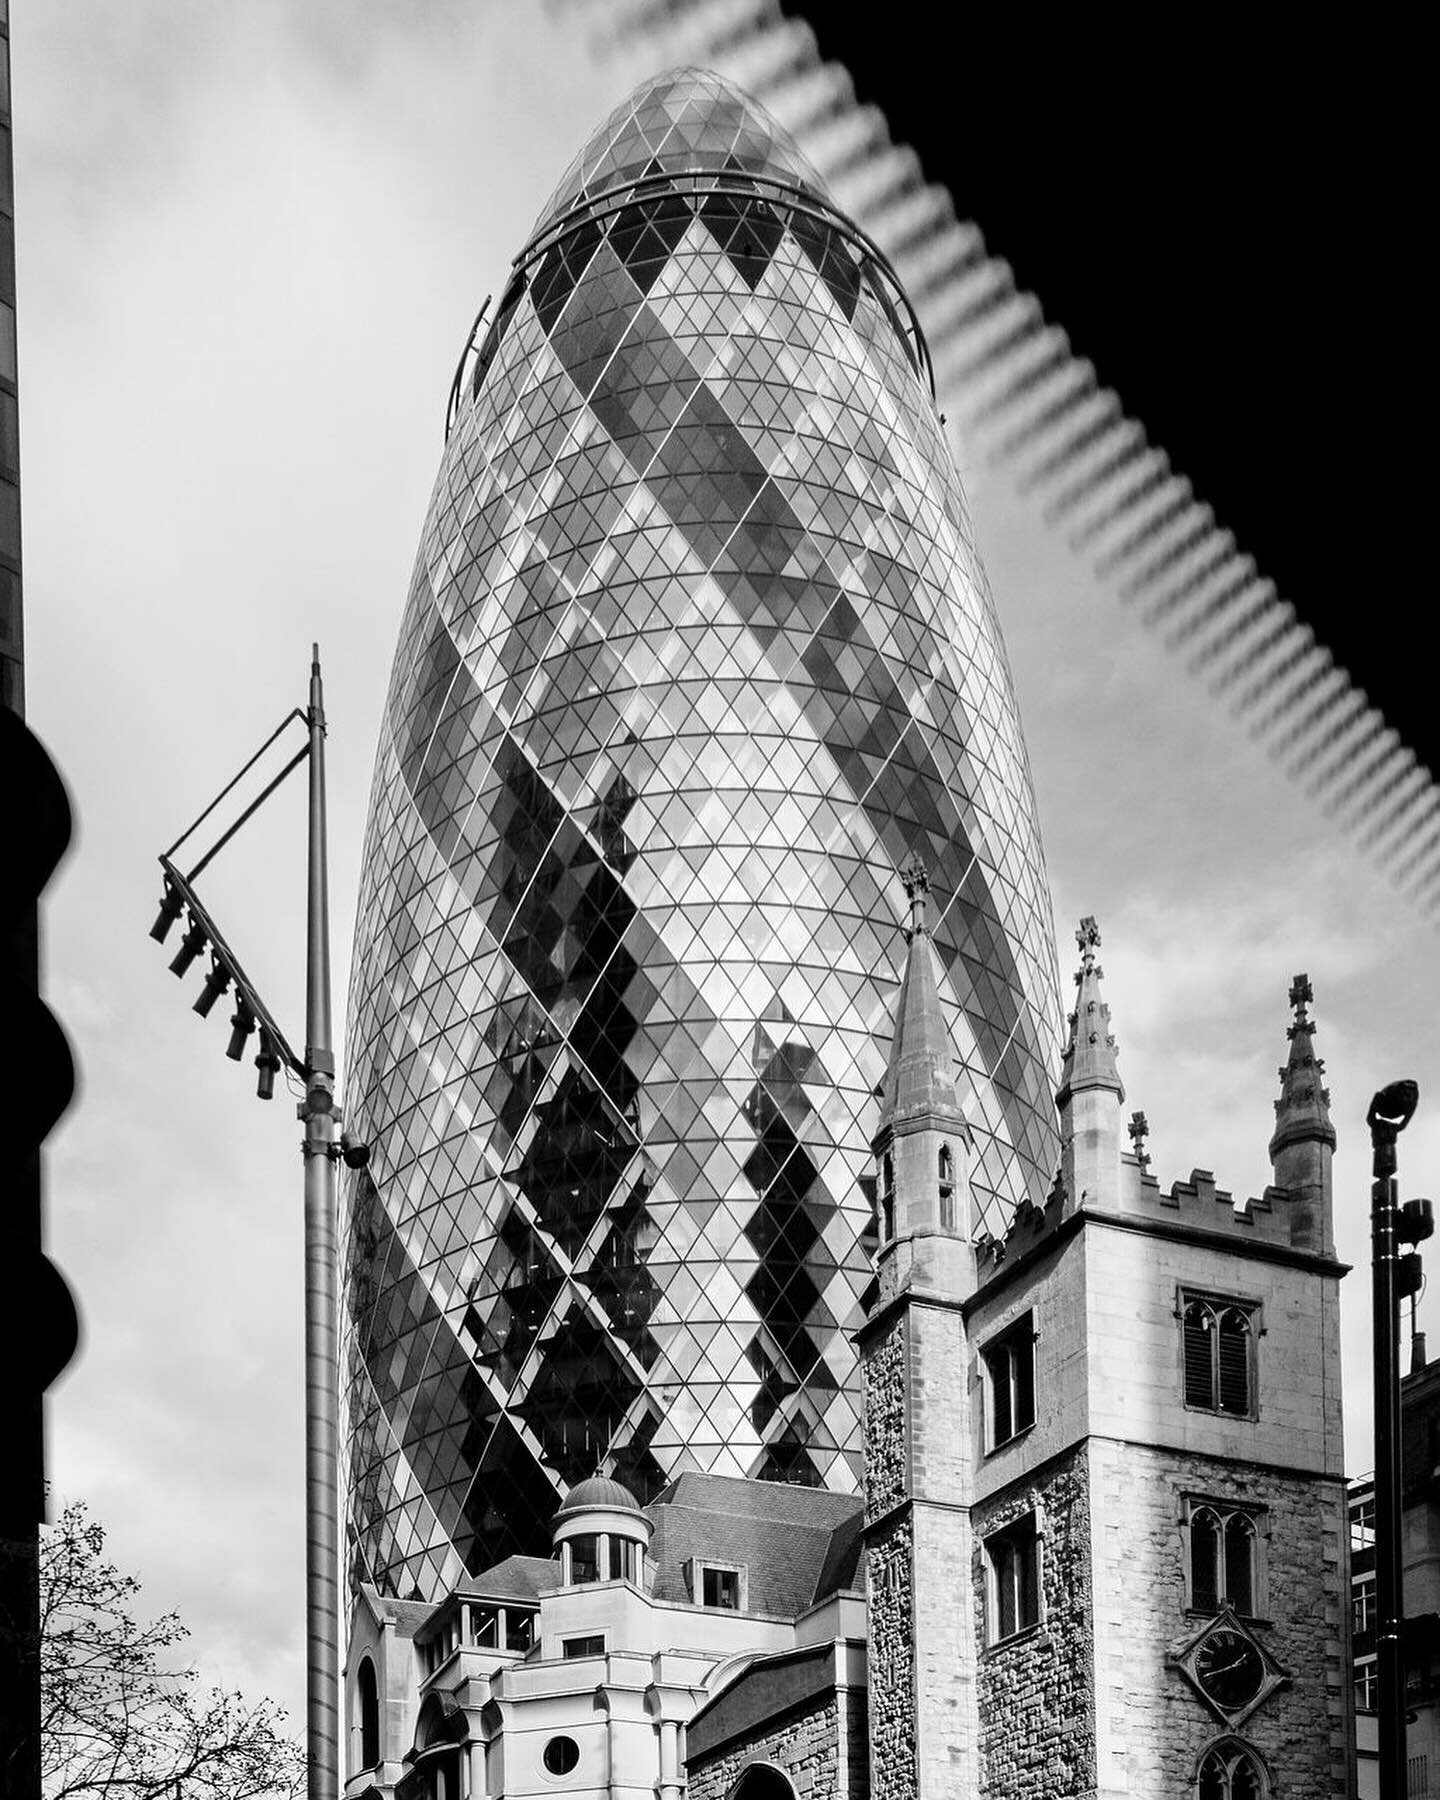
(918, 1421)
(923, 1144)
(1091, 1093)
(1304, 1138)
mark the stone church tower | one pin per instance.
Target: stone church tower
(1105, 1501)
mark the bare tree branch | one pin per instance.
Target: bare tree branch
(115, 1719)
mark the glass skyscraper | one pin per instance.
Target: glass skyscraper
(698, 652)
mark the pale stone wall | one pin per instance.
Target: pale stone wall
(1036, 1690)
(1152, 1726)
(820, 1748)
(1136, 1385)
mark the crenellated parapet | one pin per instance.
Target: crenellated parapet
(1097, 1176)
(1201, 1204)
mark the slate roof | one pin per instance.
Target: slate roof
(517, 1578)
(798, 1544)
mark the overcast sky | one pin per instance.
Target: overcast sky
(251, 243)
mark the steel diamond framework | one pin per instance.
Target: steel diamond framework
(697, 652)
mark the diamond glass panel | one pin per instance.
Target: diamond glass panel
(698, 652)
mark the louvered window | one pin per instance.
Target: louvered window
(1219, 1347)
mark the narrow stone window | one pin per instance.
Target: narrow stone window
(947, 1189)
(1204, 1560)
(887, 1198)
(1240, 1562)
(367, 1694)
(1010, 1378)
(1218, 1341)
(1014, 1557)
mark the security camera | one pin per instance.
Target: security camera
(355, 1154)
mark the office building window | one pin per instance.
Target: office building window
(1010, 1380)
(1219, 1348)
(582, 1646)
(1367, 1684)
(1014, 1558)
(1362, 1599)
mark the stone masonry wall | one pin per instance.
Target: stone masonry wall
(1036, 1690)
(1153, 1727)
(885, 1423)
(893, 1731)
(821, 1748)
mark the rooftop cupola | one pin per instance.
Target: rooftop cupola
(923, 1143)
(601, 1533)
(1304, 1138)
(1091, 1092)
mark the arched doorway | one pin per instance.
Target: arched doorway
(762, 1781)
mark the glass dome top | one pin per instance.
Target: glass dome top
(684, 121)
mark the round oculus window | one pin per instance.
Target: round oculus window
(561, 1755)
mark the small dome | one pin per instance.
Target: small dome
(598, 1491)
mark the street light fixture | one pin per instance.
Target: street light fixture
(1393, 1276)
(317, 1112)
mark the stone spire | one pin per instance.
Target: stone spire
(921, 1071)
(1090, 1054)
(922, 1144)
(1304, 1138)
(1091, 1092)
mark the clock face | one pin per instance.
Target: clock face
(1230, 1670)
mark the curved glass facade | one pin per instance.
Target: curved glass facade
(697, 653)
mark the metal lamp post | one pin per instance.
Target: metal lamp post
(321, 1151)
(1393, 1277)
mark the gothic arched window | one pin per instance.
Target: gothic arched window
(1218, 1342)
(1229, 1771)
(1224, 1558)
(368, 1706)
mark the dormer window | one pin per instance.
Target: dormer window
(721, 1585)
